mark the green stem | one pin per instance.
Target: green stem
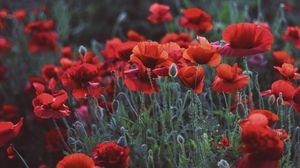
(19, 155)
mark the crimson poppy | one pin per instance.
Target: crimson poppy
(140, 80)
(10, 152)
(202, 53)
(83, 79)
(182, 39)
(8, 131)
(110, 52)
(20, 14)
(175, 53)
(66, 52)
(229, 79)
(111, 155)
(292, 35)
(288, 71)
(3, 15)
(281, 57)
(159, 13)
(192, 77)
(51, 105)
(5, 46)
(135, 36)
(261, 144)
(148, 54)
(281, 87)
(76, 160)
(224, 142)
(197, 20)
(244, 39)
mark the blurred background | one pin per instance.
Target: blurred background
(84, 22)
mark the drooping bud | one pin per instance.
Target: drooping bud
(173, 70)
(271, 99)
(180, 139)
(280, 99)
(223, 164)
(82, 51)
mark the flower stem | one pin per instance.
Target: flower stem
(19, 155)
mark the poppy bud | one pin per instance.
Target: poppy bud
(122, 141)
(82, 50)
(173, 70)
(180, 139)
(150, 155)
(271, 99)
(223, 164)
(280, 99)
(144, 148)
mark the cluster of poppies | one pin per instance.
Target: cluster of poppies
(65, 88)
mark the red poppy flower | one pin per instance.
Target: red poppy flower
(20, 14)
(124, 50)
(43, 42)
(175, 53)
(261, 144)
(159, 13)
(53, 139)
(9, 112)
(182, 39)
(296, 100)
(8, 131)
(288, 71)
(260, 118)
(40, 26)
(83, 79)
(50, 71)
(224, 143)
(111, 155)
(89, 58)
(246, 39)
(229, 79)
(135, 36)
(110, 52)
(140, 80)
(42, 37)
(292, 35)
(66, 52)
(150, 55)
(10, 152)
(5, 46)
(3, 16)
(76, 160)
(283, 87)
(202, 53)
(51, 105)
(196, 20)
(65, 63)
(281, 57)
(192, 77)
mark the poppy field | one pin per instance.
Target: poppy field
(149, 84)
